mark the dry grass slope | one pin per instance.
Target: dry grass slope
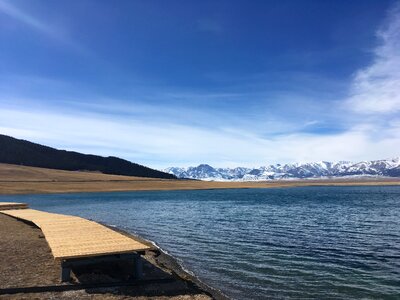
(15, 179)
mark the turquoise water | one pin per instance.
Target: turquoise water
(291, 243)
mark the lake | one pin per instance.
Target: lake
(305, 242)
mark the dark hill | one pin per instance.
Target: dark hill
(21, 152)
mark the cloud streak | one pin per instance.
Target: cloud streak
(12, 11)
(186, 127)
(376, 88)
(38, 25)
(162, 143)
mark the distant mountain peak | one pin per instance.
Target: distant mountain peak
(205, 166)
(384, 167)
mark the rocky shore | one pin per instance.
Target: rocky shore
(28, 271)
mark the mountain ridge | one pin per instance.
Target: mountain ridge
(23, 152)
(322, 169)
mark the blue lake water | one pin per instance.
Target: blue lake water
(291, 243)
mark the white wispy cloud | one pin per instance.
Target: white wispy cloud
(161, 143)
(10, 9)
(376, 88)
(14, 12)
(169, 133)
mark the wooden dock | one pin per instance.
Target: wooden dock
(74, 239)
(12, 205)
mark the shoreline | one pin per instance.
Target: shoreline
(28, 265)
(262, 185)
(172, 264)
(20, 180)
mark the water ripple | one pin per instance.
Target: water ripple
(297, 243)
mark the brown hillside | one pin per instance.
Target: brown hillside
(16, 179)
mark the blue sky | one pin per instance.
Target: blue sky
(229, 83)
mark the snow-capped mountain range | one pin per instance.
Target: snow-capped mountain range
(386, 167)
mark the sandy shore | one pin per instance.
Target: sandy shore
(28, 180)
(26, 263)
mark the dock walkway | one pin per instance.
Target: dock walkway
(73, 238)
(12, 205)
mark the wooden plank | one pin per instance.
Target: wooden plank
(74, 237)
(12, 205)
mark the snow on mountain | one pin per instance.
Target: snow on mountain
(388, 167)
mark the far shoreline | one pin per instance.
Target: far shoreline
(328, 184)
(20, 180)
